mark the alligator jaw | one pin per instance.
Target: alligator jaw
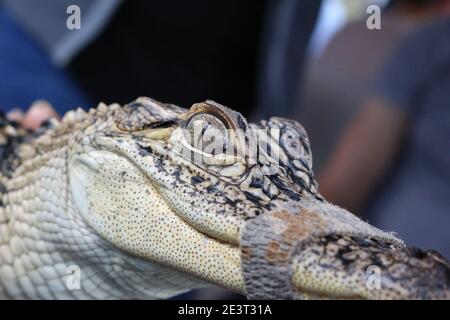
(347, 267)
(299, 252)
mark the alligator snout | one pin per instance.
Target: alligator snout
(352, 267)
(418, 274)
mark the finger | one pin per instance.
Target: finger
(16, 115)
(39, 112)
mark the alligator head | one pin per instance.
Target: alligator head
(203, 192)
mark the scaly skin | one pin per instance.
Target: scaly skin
(109, 193)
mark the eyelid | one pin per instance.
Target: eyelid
(211, 113)
(219, 159)
(156, 133)
(162, 125)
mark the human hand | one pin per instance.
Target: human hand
(39, 112)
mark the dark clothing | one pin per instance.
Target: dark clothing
(416, 81)
(336, 85)
(287, 33)
(176, 51)
(28, 75)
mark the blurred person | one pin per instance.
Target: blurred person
(28, 75)
(336, 82)
(288, 30)
(39, 112)
(392, 163)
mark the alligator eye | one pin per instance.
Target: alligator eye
(207, 133)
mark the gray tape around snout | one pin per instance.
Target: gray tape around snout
(267, 259)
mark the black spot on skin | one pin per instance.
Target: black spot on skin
(256, 183)
(8, 153)
(298, 181)
(363, 242)
(340, 255)
(319, 198)
(2, 191)
(416, 252)
(283, 188)
(304, 144)
(252, 198)
(379, 243)
(303, 162)
(177, 174)
(231, 202)
(211, 189)
(196, 180)
(241, 123)
(269, 149)
(164, 124)
(144, 150)
(159, 163)
(135, 104)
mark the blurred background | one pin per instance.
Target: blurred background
(371, 88)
